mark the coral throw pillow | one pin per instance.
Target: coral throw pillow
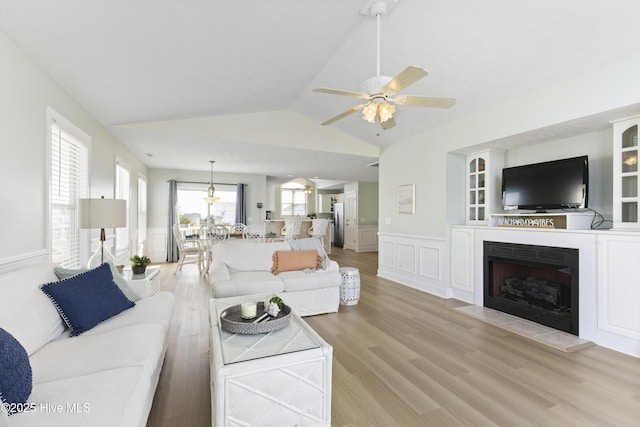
(295, 260)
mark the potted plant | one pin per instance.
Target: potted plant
(139, 263)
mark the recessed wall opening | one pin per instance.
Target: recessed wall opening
(537, 283)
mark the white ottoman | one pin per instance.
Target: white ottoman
(350, 288)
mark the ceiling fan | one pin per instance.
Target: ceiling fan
(381, 92)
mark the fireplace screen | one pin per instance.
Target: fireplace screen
(538, 283)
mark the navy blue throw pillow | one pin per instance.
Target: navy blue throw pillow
(16, 380)
(88, 298)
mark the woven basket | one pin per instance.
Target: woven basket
(231, 320)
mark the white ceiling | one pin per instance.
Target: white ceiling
(245, 69)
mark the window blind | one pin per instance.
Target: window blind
(69, 182)
(294, 202)
(142, 209)
(122, 192)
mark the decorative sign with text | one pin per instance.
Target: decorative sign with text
(532, 221)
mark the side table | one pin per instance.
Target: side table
(151, 278)
(350, 288)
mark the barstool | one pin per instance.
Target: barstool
(318, 229)
(291, 229)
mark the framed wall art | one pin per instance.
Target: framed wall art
(406, 198)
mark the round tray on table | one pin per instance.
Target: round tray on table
(231, 320)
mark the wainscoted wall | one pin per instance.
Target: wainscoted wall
(414, 261)
(367, 238)
(156, 244)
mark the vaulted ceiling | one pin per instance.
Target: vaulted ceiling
(183, 82)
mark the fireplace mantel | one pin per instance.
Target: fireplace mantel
(609, 297)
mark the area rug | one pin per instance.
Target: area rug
(543, 334)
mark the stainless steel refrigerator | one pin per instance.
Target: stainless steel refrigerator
(338, 224)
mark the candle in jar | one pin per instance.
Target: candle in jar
(248, 309)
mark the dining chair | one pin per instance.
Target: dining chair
(237, 230)
(188, 248)
(210, 236)
(254, 233)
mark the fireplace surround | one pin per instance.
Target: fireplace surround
(537, 283)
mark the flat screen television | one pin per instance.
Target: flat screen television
(558, 184)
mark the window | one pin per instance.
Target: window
(294, 199)
(69, 181)
(122, 192)
(192, 209)
(142, 213)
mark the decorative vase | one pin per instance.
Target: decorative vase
(138, 269)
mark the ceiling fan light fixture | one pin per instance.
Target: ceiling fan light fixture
(386, 111)
(369, 112)
(380, 91)
(374, 85)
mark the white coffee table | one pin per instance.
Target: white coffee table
(281, 378)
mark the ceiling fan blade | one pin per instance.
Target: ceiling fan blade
(409, 76)
(341, 92)
(343, 115)
(388, 124)
(428, 101)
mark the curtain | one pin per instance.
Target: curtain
(172, 245)
(241, 204)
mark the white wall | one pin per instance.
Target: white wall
(26, 93)
(367, 203)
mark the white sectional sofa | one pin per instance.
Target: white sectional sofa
(244, 268)
(106, 376)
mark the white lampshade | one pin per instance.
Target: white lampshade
(102, 213)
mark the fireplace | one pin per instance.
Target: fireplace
(538, 283)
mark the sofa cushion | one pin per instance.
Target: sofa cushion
(307, 280)
(247, 256)
(247, 283)
(65, 273)
(154, 309)
(88, 298)
(27, 313)
(115, 397)
(295, 260)
(15, 373)
(4, 417)
(135, 345)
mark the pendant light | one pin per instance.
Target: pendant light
(211, 199)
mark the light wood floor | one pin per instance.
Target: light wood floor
(404, 358)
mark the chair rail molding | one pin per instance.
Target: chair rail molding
(415, 261)
(31, 258)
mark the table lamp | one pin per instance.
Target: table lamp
(102, 213)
